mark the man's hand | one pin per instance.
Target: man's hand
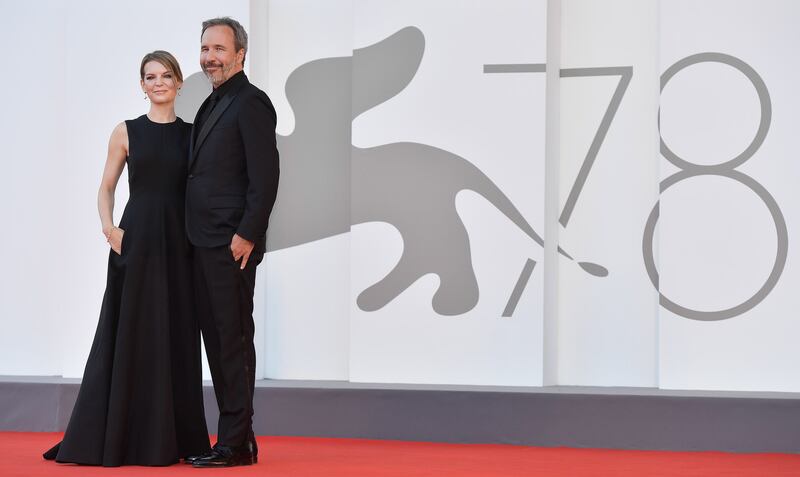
(241, 249)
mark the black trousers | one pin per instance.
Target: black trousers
(225, 312)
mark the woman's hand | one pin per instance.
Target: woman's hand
(114, 238)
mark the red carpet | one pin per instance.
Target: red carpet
(296, 456)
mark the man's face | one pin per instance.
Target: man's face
(218, 56)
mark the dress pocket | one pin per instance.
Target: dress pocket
(121, 244)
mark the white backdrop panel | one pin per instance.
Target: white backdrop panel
(494, 122)
(470, 141)
(607, 326)
(718, 238)
(85, 80)
(307, 312)
(36, 283)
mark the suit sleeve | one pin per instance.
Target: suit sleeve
(257, 121)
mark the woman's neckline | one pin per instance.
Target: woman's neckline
(156, 122)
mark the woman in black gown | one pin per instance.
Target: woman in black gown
(140, 401)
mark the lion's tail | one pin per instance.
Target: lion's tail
(480, 183)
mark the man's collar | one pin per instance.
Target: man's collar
(227, 85)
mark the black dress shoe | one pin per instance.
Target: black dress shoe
(189, 459)
(252, 447)
(224, 456)
(251, 444)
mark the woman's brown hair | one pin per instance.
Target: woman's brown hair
(166, 59)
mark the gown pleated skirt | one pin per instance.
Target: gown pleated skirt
(140, 400)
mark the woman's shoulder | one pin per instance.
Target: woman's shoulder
(119, 136)
(138, 120)
(132, 126)
(121, 129)
(183, 124)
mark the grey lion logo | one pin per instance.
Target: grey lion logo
(408, 185)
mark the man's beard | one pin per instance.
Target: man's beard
(223, 70)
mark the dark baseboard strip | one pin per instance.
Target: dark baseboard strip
(618, 418)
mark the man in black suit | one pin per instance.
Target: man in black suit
(231, 188)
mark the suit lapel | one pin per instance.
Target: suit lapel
(220, 108)
(193, 137)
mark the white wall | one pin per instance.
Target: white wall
(607, 326)
(714, 242)
(81, 78)
(493, 121)
(307, 314)
(717, 239)
(36, 201)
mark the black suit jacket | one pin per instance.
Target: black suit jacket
(233, 169)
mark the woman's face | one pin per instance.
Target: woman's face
(159, 83)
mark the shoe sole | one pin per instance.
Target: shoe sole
(201, 465)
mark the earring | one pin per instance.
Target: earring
(145, 96)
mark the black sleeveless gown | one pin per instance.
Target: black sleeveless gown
(140, 401)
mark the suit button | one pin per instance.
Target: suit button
(191, 176)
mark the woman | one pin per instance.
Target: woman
(140, 401)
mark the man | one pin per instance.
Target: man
(231, 187)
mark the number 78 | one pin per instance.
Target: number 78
(625, 74)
